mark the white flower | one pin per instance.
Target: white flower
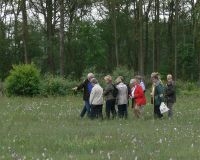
(136, 158)
(108, 155)
(92, 151)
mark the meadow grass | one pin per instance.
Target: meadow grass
(51, 129)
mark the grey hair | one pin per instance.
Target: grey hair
(90, 75)
(94, 81)
(133, 80)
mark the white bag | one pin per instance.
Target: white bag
(163, 108)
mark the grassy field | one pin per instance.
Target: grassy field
(50, 129)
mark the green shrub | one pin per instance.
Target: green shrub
(123, 71)
(98, 75)
(23, 80)
(186, 85)
(56, 85)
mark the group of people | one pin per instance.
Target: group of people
(162, 93)
(117, 94)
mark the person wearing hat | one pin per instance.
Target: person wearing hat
(96, 99)
(87, 87)
(122, 98)
(109, 97)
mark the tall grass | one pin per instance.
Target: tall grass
(50, 129)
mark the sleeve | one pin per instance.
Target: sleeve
(81, 86)
(170, 91)
(161, 93)
(107, 90)
(138, 92)
(92, 96)
(143, 86)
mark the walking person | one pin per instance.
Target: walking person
(96, 100)
(138, 96)
(110, 97)
(87, 88)
(157, 94)
(122, 98)
(129, 92)
(170, 94)
(141, 82)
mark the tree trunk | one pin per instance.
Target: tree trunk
(170, 38)
(49, 7)
(146, 57)
(115, 31)
(61, 2)
(175, 38)
(141, 53)
(25, 30)
(156, 36)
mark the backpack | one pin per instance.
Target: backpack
(115, 91)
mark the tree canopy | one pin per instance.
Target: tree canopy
(66, 37)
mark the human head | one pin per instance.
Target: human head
(122, 78)
(138, 77)
(90, 76)
(118, 80)
(133, 82)
(155, 77)
(108, 79)
(169, 77)
(94, 81)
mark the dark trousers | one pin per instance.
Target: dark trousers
(86, 108)
(170, 112)
(122, 111)
(96, 111)
(110, 107)
(157, 113)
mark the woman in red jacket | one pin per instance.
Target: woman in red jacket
(139, 97)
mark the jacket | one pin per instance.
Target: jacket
(108, 92)
(158, 93)
(138, 95)
(87, 87)
(96, 95)
(122, 97)
(170, 93)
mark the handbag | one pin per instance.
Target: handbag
(163, 108)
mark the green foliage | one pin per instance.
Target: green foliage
(56, 85)
(93, 70)
(186, 87)
(123, 71)
(23, 80)
(187, 62)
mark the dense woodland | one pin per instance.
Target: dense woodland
(65, 37)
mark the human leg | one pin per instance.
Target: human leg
(125, 110)
(157, 113)
(83, 111)
(99, 111)
(88, 108)
(120, 111)
(170, 112)
(108, 108)
(113, 110)
(93, 112)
